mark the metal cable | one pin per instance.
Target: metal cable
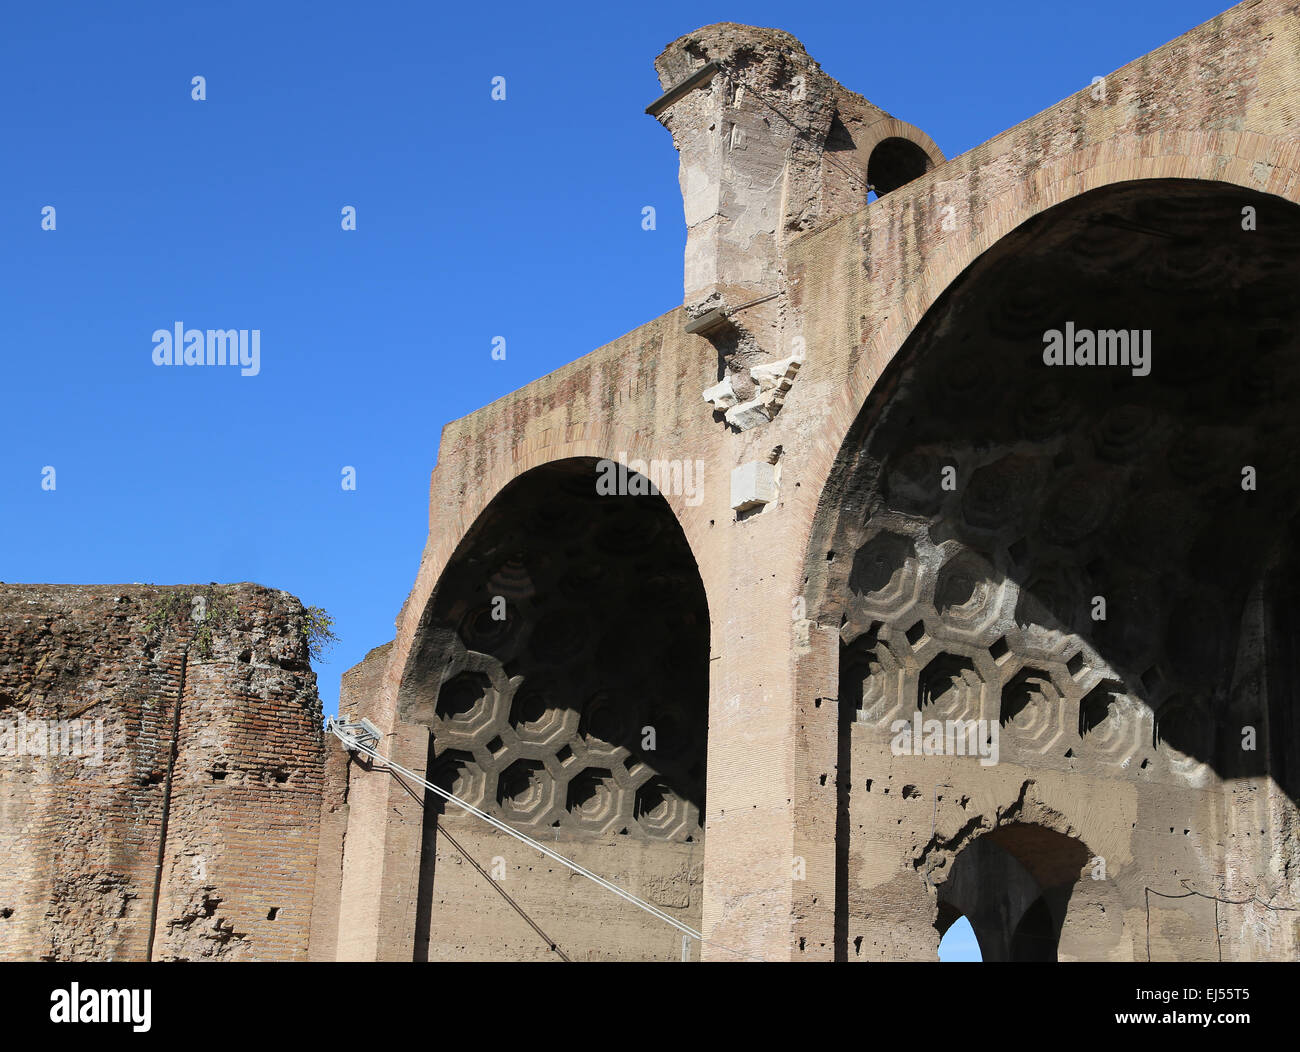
(352, 742)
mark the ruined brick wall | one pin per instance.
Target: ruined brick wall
(79, 838)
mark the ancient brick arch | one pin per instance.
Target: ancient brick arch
(561, 669)
(964, 225)
(984, 503)
(456, 518)
(895, 161)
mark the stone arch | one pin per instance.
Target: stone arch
(945, 919)
(883, 128)
(462, 504)
(561, 668)
(1235, 159)
(974, 602)
(901, 152)
(1014, 884)
(1077, 462)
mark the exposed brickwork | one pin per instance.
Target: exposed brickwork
(80, 841)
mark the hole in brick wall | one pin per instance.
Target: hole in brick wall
(245, 656)
(219, 772)
(1075, 664)
(999, 649)
(280, 775)
(857, 946)
(893, 162)
(152, 778)
(7, 912)
(270, 914)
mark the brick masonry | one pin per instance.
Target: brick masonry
(80, 841)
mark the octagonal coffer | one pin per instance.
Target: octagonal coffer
(883, 567)
(594, 798)
(454, 771)
(525, 790)
(462, 695)
(538, 715)
(945, 680)
(1028, 687)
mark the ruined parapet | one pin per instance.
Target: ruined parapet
(96, 683)
(770, 147)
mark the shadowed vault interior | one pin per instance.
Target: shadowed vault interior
(563, 675)
(1095, 560)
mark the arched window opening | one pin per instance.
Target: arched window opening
(1012, 887)
(894, 162)
(958, 943)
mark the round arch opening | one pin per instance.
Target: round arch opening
(562, 671)
(1049, 514)
(894, 162)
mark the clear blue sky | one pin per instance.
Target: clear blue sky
(475, 219)
(959, 943)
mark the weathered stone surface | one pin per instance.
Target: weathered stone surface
(949, 507)
(752, 485)
(747, 414)
(80, 834)
(770, 147)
